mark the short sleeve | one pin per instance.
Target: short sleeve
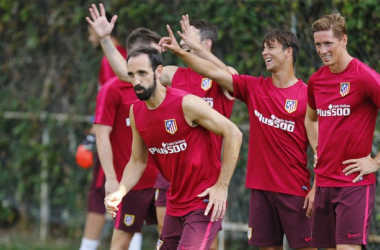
(106, 105)
(310, 93)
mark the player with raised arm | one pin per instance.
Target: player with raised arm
(174, 128)
(280, 185)
(114, 140)
(343, 102)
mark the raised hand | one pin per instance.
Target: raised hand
(170, 42)
(99, 22)
(188, 35)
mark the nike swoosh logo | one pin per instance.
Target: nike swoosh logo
(308, 239)
(353, 235)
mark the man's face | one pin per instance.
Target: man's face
(92, 38)
(197, 34)
(143, 78)
(274, 55)
(329, 48)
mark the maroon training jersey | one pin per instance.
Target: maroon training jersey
(188, 80)
(347, 105)
(105, 71)
(112, 109)
(181, 152)
(277, 138)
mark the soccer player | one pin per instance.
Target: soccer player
(276, 173)
(343, 101)
(114, 140)
(175, 127)
(181, 78)
(95, 208)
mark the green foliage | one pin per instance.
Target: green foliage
(47, 64)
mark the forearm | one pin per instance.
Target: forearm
(207, 69)
(131, 175)
(232, 144)
(105, 156)
(207, 55)
(312, 132)
(115, 59)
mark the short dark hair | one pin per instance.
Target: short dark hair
(207, 30)
(286, 38)
(154, 55)
(142, 37)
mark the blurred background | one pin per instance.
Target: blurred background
(48, 87)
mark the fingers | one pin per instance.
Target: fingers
(89, 21)
(206, 192)
(95, 10)
(309, 212)
(92, 14)
(113, 20)
(305, 202)
(358, 178)
(102, 11)
(169, 31)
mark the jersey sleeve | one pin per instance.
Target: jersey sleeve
(106, 106)
(310, 93)
(240, 87)
(371, 86)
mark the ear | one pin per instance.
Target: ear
(289, 52)
(207, 44)
(158, 71)
(344, 40)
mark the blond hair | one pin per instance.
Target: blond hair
(335, 22)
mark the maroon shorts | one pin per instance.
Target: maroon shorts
(161, 186)
(272, 214)
(342, 215)
(191, 231)
(136, 207)
(95, 200)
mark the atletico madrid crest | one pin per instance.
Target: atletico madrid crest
(171, 126)
(344, 88)
(290, 105)
(206, 84)
(129, 219)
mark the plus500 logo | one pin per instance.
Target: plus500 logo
(169, 148)
(335, 110)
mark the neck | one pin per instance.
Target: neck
(157, 97)
(284, 78)
(342, 64)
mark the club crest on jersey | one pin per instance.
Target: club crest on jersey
(159, 244)
(206, 84)
(249, 233)
(129, 219)
(171, 126)
(290, 105)
(344, 88)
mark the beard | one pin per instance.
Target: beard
(146, 93)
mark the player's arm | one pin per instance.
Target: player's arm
(311, 125)
(168, 74)
(198, 112)
(103, 29)
(200, 65)
(132, 172)
(104, 147)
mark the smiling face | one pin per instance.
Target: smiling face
(330, 48)
(143, 78)
(274, 55)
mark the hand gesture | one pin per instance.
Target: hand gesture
(112, 201)
(111, 185)
(309, 202)
(99, 22)
(217, 198)
(169, 42)
(188, 35)
(365, 165)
